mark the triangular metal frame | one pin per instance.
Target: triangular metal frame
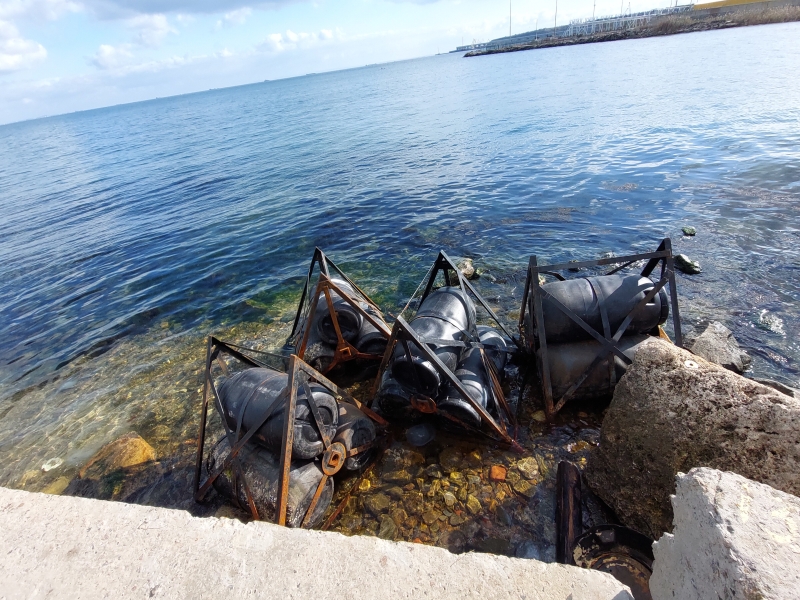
(532, 326)
(344, 351)
(404, 334)
(299, 374)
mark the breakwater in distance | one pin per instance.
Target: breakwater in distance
(131, 233)
(644, 25)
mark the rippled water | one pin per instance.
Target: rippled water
(130, 233)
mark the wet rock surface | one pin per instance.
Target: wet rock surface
(464, 495)
(686, 265)
(673, 411)
(741, 537)
(716, 344)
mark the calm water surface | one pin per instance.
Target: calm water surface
(130, 233)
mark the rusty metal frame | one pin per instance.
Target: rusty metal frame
(308, 304)
(403, 334)
(447, 267)
(299, 374)
(532, 326)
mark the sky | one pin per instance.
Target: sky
(60, 56)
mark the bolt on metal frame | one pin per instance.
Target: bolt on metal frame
(405, 335)
(299, 374)
(533, 330)
(308, 306)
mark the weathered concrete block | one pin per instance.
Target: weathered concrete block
(63, 547)
(716, 344)
(734, 539)
(673, 411)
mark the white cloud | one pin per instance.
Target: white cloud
(238, 17)
(150, 29)
(149, 32)
(279, 42)
(38, 9)
(17, 52)
(112, 57)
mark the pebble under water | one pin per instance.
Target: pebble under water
(132, 233)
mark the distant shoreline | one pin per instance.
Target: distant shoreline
(667, 25)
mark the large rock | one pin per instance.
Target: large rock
(733, 539)
(126, 451)
(673, 411)
(61, 547)
(117, 470)
(717, 344)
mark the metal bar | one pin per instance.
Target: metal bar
(673, 293)
(312, 404)
(604, 261)
(287, 443)
(387, 356)
(378, 324)
(624, 325)
(308, 324)
(521, 325)
(237, 447)
(465, 283)
(569, 517)
(343, 503)
(314, 260)
(314, 500)
(651, 264)
(234, 353)
(544, 363)
(431, 356)
(619, 268)
(579, 381)
(201, 436)
(608, 345)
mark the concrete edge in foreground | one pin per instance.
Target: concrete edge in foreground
(65, 547)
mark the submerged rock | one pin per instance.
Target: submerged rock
(673, 411)
(733, 538)
(127, 451)
(686, 265)
(498, 473)
(689, 231)
(473, 504)
(450, 459)
(388, 528)
(717, 344)
(528, 467)
(377, 504)
(467, 269)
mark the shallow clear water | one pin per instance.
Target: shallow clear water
(130, 233)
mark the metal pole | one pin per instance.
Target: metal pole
(555, 20)
(509, 18)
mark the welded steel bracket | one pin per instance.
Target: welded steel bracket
(307, 308)
(532, 328)
(299, 374)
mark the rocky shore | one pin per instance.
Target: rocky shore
(668, 25)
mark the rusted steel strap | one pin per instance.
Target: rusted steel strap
(608, 345)
(312, 404)
(314, 500)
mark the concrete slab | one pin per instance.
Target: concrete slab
(64, 547)
(734, 539)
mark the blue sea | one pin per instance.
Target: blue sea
(129, 233)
